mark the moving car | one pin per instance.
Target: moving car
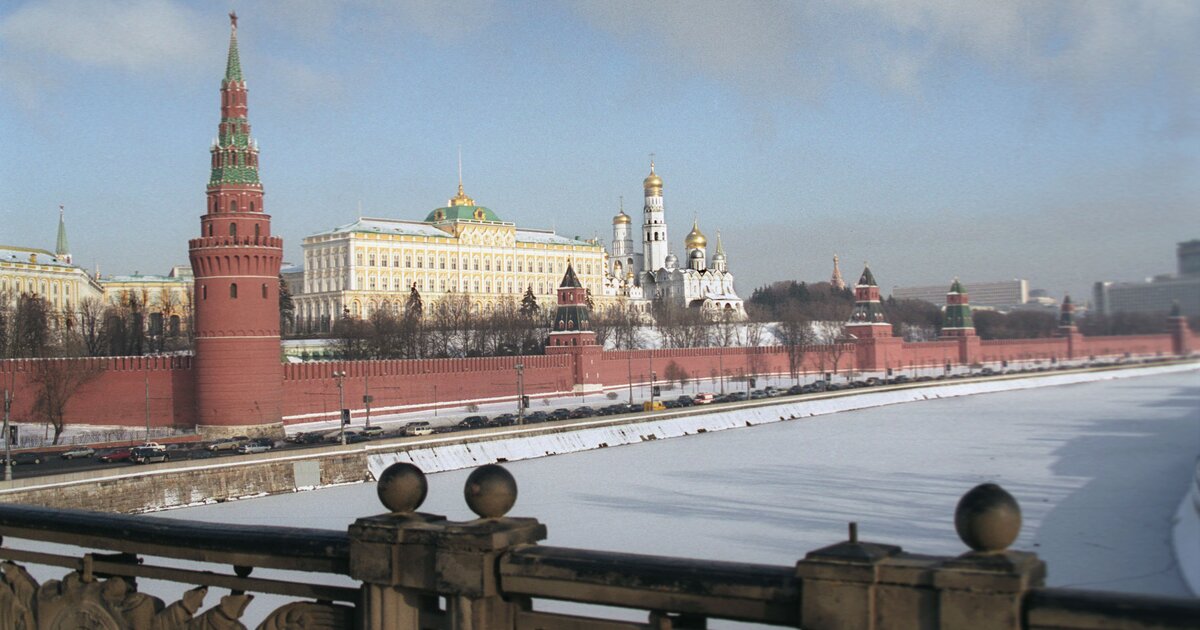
(372, 431)
(420, 427)
(227, 444)
(115, 455)
(473, 422)
(704, 398)
(78, 451)
(24, 458)
(148, 455)
(253, 447)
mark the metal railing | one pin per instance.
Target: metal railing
(417, 570)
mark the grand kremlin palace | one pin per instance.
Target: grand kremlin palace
(463, 248)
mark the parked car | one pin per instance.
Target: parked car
(473, 422)
(227, 444)
(582, 412)
(796, 389)
(560, 414)
(373, 431)
(115, 455)
(78, 451)
(148, 455)
(685, 401)
(24, 458)
(357, 436)
(419, 427)
(503, 420)
(254, 447)
(704, 398)
(536, 417)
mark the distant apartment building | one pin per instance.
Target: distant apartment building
(1002, 296)
(1158, 294)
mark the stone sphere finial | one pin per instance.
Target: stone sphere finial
(402, 487)
(987, 518)
(490, 491)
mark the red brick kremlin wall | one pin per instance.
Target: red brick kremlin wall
(117, 395)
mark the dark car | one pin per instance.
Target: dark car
(536, 417)
(503, 420)
(582, 412)
(735, 396)
(685, 401)
(25, 458)
(797, 389)
(474, 422)
(115, 455)
(147, 455)
(560, 414)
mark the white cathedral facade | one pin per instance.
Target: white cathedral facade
(656, 273)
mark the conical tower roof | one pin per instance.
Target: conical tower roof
(62, 249)
(867, 278)
(570, 280)
(233, 65)
(957, 287)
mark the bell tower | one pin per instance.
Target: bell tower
(236, 263)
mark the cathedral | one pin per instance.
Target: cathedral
(657, 274)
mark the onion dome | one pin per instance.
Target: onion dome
(695, 240)
(672, 261)
(622, 219)
(652, 180)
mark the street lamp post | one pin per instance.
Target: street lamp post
(520, 393)
(367, 399)
(653, 376)
(147, 408)
(7, 437)
(629, 368)
(435, 405)
(341, 377)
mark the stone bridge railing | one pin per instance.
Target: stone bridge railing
(416, 570)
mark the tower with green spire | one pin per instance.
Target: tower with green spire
(236, 262)
(867, 319)
(957, 322)
(61, 249)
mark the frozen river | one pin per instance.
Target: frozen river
(1098, 468)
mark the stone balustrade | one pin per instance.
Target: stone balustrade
(419, 570)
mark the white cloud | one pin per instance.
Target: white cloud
(132, 36)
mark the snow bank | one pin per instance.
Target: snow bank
(531, 442)
(1185, 536)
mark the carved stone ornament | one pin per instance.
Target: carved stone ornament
(79, 602)
(309, 616)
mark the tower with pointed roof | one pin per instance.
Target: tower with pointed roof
(957, 320)
(624, 260)
(719, 262)
(1067, 328)
(236, 264)
(61, 249)
(836, 281)
(868, 319)
(654, 223)
(571, 332)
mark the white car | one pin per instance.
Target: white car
(253, 447)
(78, 451)
(417, 428)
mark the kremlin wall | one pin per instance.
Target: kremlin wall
(236, 384)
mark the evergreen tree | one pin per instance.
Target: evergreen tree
(529, 303)
(287, 308)
(413, 308)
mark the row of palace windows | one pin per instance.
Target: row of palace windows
(421, 261)
(233, 291)
(429, 284)
(42, 286)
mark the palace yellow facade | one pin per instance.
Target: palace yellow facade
(461, 249)
(30, 271)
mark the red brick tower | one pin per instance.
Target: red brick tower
(571, 333)
(875, 347)
(958, 325)
(1068, 329)
(236, 263)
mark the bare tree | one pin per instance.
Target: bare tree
(29, 333)
(56, 382)
(675, 373)
(794, 331)
(91, 326)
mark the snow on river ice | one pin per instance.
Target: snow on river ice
(1098, 468)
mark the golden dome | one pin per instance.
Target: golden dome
(652, 180)
(622, 219)
(695, 240)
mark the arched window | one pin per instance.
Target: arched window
(233, 205)
(233, 290)
(264, 292)
(233, 229)
(204, 292)
(251, 206)
(257, 233)
(210, 229)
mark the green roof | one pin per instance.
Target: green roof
(233, 67)
(462, 213)
(867, 278)
(957, 287)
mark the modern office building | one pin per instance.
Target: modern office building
(1000, 296)
(1158, 294)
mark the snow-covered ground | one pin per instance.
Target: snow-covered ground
(1098, 468)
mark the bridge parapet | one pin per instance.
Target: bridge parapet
(418, 570)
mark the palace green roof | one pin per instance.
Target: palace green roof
(462, 213)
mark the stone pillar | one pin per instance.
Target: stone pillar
(840, 584)
(406, 558)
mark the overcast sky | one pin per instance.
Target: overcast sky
(1053, 141)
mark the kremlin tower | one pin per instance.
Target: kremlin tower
(571, 332)
(654, 224)
(236, 263)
